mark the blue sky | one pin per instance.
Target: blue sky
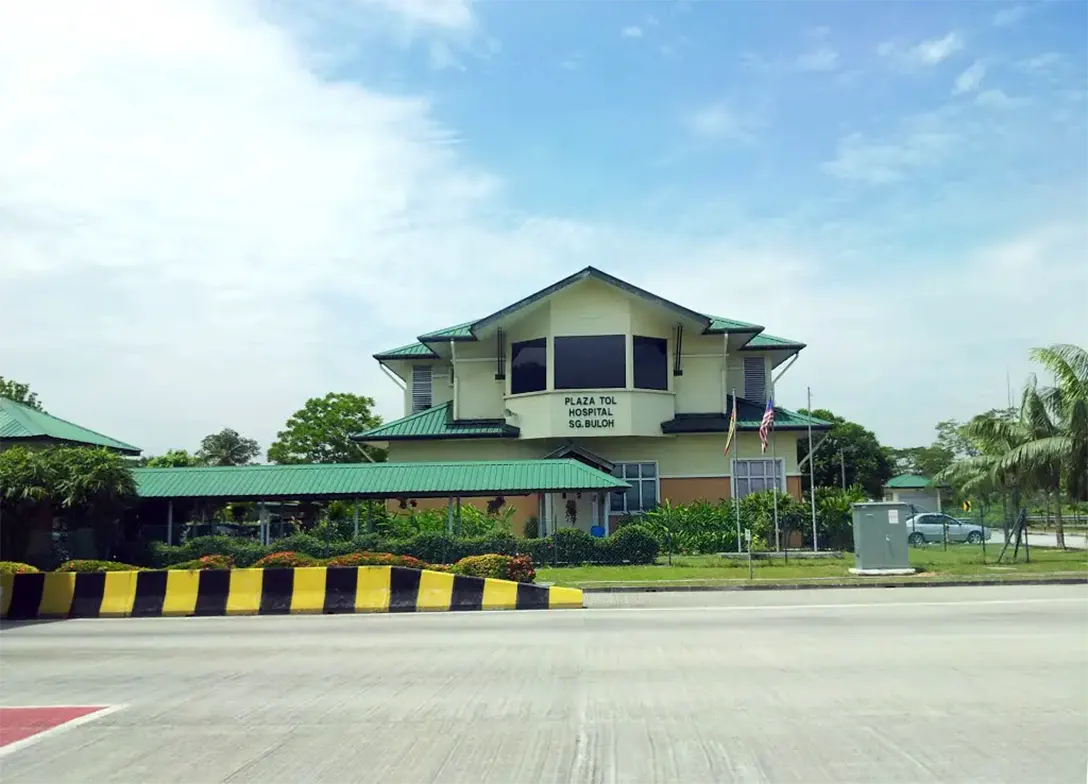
(214, 210)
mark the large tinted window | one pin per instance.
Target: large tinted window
(529, 366)
(591, 362)
(651, 363)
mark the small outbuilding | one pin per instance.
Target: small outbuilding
(921, 492)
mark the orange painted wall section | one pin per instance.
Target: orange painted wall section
(686, 491)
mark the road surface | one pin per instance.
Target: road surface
(898, 685)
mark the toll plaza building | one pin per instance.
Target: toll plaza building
(601, 371)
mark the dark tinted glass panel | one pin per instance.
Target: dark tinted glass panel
(651, 363)
(529, 366)
(591, 362)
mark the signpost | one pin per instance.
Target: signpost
(748, 540)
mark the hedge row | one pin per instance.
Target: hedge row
(631, 544)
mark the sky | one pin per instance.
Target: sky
(212, 211)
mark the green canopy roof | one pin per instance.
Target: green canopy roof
(438, 422)
(372, 480)
(20, 422)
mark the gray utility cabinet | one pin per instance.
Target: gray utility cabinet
(880, 535)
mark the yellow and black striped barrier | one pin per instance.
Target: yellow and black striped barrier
(316, 589)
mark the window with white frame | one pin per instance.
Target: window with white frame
(422, 389)
(753, 476)
(642, 495)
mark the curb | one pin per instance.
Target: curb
(272, 591)
(830, 586)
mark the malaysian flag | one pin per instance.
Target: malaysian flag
(767, 423)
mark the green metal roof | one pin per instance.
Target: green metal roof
(411, 351)
(372, 480)
(712, 325)
(438, 422)
(749, 417)
(460, 332)
(21, 422)
(909, 482)
(719, 325)
(764, 341)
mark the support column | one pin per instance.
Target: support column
(355, 517)
(449, 516)
(170, 521)
(546, 524)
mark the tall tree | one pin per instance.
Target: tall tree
(320, 432)
(173, 458)
(847, 443)
(20, 393)
(227, 448)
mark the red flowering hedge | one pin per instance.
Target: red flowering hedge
(286, 559)
(207, 562)
(377, 559)
(16, 567)
(503, 567)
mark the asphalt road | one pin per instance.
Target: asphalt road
(905, 685)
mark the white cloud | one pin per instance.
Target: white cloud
(879, 161)
(204, 233)
(198, 231)
(1007, 17)
(716, 121)
(1039, 63)
(631, 31)
(940, 324)
(823, 58)
(456, 14)
(995, 98)
(928, 53)
(970, 79)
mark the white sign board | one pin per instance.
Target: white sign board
(893, 516)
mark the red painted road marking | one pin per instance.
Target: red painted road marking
(21, 726)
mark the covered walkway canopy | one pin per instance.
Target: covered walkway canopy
(372, 480)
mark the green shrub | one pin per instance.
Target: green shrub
(206, 562)
(532, 528)
(574, 546)
(285, 559)
(14, 567)
(630, 544)
(95, 566)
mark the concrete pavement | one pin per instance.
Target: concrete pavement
(956, 684)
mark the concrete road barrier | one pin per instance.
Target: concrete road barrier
(266, 592)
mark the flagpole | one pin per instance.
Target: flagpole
(774, 467)
(812, 473)
(733, 476)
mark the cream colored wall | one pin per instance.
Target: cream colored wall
(479, 395)
(590, 308)
(699, 390)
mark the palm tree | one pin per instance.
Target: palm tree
(1045, 446)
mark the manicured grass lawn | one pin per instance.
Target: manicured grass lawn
(932, 562)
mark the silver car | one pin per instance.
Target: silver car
(930, 527)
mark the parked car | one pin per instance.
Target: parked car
(930, 527)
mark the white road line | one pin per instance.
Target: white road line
(30, 741)
(843, 606)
